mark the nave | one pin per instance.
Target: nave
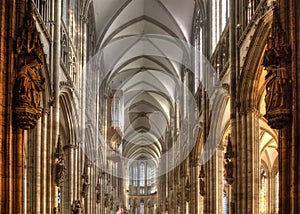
(149, 106)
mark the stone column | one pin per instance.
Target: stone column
(56, 79)
(252, 162)
(194, 187)
(37, 169)
(241, 166)
(44, 161)
(68, 185)
(285, 201)
(49, 164)
(291, 10)
(219, 178)
(233, 101)
(17, 158)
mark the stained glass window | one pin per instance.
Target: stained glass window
(130, 176)
(142, 175)
(135, 175)
(141, 179)
(149, 176)
(263, 192)
(224, 202)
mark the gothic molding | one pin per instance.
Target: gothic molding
(66, 84)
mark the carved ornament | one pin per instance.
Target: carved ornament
(187, 190)
(60, 165)
(228, 163)
(76, 207)
(85, 185)
(29, 82)
(106, 200)
(98, 193)
(111, 200)
(276, 61)
(201, 181)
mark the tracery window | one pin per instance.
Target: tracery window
(149, 176)
(220, 15)
(91, 38)
(64, 10)
(141, 179)
(130, 176)
(135, 175)
(142, 175)
(43, 8)
(251, 7)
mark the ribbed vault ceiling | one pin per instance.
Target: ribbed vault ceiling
(146, 70)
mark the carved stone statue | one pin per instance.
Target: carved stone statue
(111, 200)
(27, 88)
(76, 207)
(229, 171)
(85, 185)
(60, 172)
(277, 99)
(228, 162)
(187, 191)
(202, 181)
(178, 198)
(98, 193)
(60, 166)
(277, 81)
(28, 82)
(276, 61)
(28, 85)
(202, 187)
(106, 200)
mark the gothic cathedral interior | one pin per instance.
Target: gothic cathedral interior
(150, 106)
